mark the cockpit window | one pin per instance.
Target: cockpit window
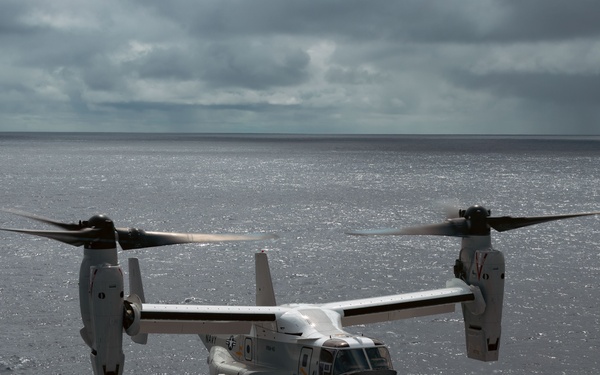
(379, 358)
(326, 361)
(349, 361)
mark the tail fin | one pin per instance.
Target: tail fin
(137, 288)
(265, 295)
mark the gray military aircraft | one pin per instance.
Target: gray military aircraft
(299, 339)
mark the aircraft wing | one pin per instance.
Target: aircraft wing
(402, 306)
(199, 319)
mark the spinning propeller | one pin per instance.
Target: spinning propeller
(99, 232)
(105, 311)
(475, 221)
(480, 266)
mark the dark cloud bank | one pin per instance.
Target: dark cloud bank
(488, 67)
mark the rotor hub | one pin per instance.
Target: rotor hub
(476, 217)
(100, 222)
(105, 227)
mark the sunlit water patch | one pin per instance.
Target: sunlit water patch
(309, 191)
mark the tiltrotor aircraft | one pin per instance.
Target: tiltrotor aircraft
(298, 339)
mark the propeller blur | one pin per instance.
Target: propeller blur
(104, 310)
(298, 339)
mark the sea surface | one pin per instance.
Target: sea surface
(309, 190)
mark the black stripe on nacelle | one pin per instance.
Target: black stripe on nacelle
(200, 316)
(408, 305)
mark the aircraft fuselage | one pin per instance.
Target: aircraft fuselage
(308, 341)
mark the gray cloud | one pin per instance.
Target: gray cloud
(257, 66)
(548, 20)
(472, 66)
(555, 89)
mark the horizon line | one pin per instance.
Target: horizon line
(307, 134)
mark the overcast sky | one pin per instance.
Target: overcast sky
(414, 67)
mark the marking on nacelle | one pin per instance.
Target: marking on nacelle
(479, 263)
(230, 342)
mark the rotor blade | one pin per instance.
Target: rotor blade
(504, 223)
(66, 226)
(453, 227)
(450, 210)
(132, 238)
(376, 232)
(75, 238)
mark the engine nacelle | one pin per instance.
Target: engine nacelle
(106, 308)
(483, 269)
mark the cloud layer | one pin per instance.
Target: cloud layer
(468, 66)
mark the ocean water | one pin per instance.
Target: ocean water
(308, 190)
